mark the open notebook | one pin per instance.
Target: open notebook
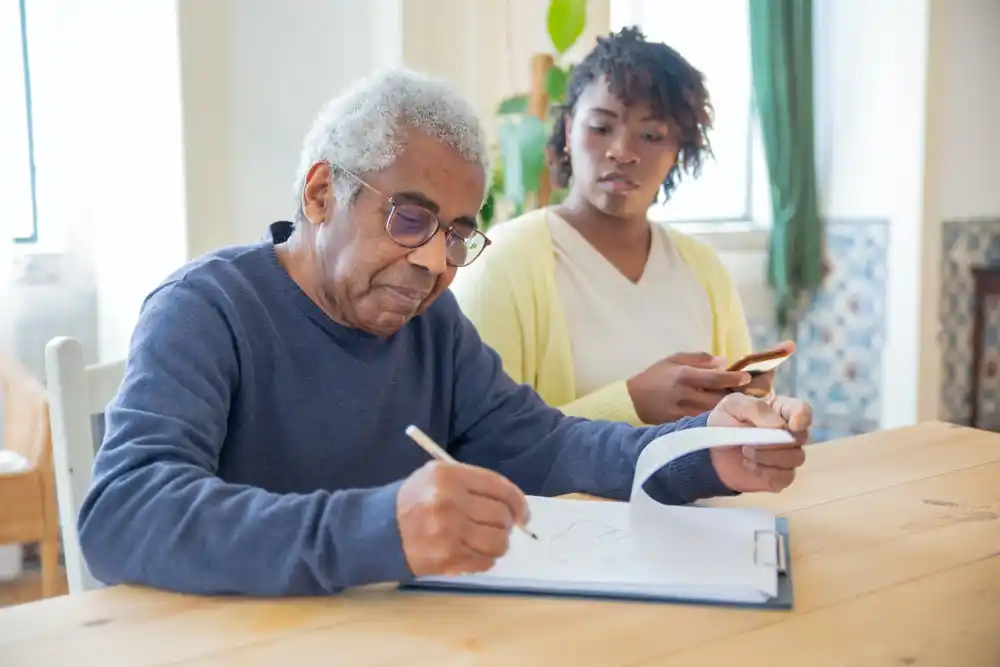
(642, 549)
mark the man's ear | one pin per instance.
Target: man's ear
(567, 130)
(317, 193)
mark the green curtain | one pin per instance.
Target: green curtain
(782, 61)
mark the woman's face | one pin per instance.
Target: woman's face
(619, 154)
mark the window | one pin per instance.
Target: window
(713, 35)
(17, 179)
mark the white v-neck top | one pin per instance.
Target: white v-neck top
(618, 328)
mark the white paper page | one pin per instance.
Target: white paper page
(646, 512)
(702, 545)
(635, 546)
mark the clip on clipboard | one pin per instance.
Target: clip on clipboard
(771, 552)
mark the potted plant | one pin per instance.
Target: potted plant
(520, 176)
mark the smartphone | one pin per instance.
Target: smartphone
(758, 363)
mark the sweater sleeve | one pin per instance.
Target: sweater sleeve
(157, 514)
(505, 426)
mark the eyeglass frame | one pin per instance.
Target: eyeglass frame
(441, 226)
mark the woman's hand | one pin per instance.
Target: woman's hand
(682, 385)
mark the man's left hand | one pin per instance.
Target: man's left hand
(761, 468)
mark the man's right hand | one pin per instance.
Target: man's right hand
(456, 518)
(682, 385)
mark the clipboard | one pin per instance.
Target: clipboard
(643, 550)
(783, 601)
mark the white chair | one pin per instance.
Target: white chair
(78, 395)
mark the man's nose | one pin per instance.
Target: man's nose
(431, 256)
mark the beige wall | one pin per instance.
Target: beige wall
(962, 176)
(485, 47)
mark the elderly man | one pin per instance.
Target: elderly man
(257, 443)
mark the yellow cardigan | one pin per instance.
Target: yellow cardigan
(510, 295)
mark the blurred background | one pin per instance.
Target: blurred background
(137, 135)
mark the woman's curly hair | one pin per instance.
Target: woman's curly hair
(641, 72)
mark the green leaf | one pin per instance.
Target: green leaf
(566, 21)
(513, 105)
(556, 82)
(496, 181)
(522, 147)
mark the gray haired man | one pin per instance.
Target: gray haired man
(257, 443)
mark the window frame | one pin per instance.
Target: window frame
(752, 227)
(26, 68)
(749, 215)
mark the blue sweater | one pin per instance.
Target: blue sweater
(256, 447)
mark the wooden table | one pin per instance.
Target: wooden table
(896, 559)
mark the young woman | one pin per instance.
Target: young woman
(605, 314)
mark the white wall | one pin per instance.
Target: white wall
(53, 291)
(966, 106)
(485, 47)
(870, 91)
(135, 174)
(110, 171)
(962, 180)
(255, 72)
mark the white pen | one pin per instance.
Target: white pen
(439, 453)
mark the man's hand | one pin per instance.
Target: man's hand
(682, 385)
(761, 468)
(456, 519)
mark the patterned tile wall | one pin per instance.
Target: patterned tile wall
(965, 245)
(837, 368)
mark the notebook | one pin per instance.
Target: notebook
(645, 550)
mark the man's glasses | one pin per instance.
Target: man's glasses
(411, 226)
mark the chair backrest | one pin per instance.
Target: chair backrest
(78, 396)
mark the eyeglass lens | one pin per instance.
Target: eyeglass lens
(411, 226)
